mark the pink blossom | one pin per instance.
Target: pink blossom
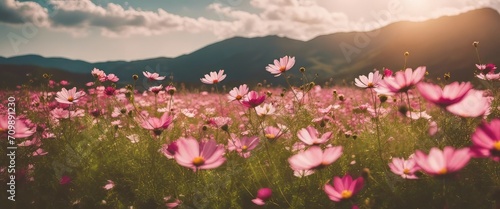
(112, 77)
(157, 124)
(441, 163)
(450, 94)
(238, 93)
(64, 180)
(343, 188)
(368, 82)
(284, 64)
(433, 128)
(474, 104)
(153, 76)
(199, 155)
(214, 77)
(265, 109)
(253, 99)
(243, 146)
(156, 89)
(404, 168)
(64, 82)
(314, 158)
(272, 132)
(99, 74)
(109, 185)
(170, 204)
(310, 135)
(20, 128)
(69, 97)
(262, 196)
(387, 72)
(401, 82)
(486, 140)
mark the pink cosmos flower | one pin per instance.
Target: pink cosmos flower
(109, 185)
(433, 128)
(199, 155)
(265, 109)
(488, 68)
(112, 77)
(64, 82)
(69, 97)
(20, 128)
(314, 158)
(252, 99)
(272, 132)
(474, 104)
(449, 95)
(343, 188)
(368, 82)
(243, 146)
(157, 124)
(214, 77)
(401, 82)
(284, 64)
(441, 163)
(489, 76)
(387, 72)
(262, 196)
(156, 89)
(170, 204)
(486, 140)
(64, 180)
(404, 168)
(238, 93)
(169, 150)
(310, 135)
(153, 76)
(99, 74)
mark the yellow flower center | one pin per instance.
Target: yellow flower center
(346, 194)
(370, 85)
(282, 69)
(442, 171)
(270, 136)
(70, 99)
(496, 145)
(406, 171)
(239, 97)
(244, 147)
(198, 161)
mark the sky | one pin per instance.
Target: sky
(105, 30)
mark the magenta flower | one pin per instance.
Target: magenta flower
(64, 82)
(402, 81)
(199, 155)
(112, 77)
(214, 77)
(238, 93)
(156, 89)
(387, 72)
(243, 146)
(284, 64)
(64, 180)
(449, 95)
(314, 158)
(153, 76)
(488, 68)
(442, 163)
(109, 185)
(271, 132)
(20, 128)
(486, 140)
(404, 168)
(474, 104)
(368, 82)
(169, 150)
(157, 124)
(171, 204)
(253, 99)
(262, 196)
(343, 188)
(310, 135)
(68, 97)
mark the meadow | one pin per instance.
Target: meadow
(388, 139)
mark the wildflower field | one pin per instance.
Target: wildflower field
(390, 139)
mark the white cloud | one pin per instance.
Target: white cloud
(297, 19)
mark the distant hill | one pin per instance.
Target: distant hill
(443, 45)
(14, 75)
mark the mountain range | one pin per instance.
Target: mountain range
(443, 45)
